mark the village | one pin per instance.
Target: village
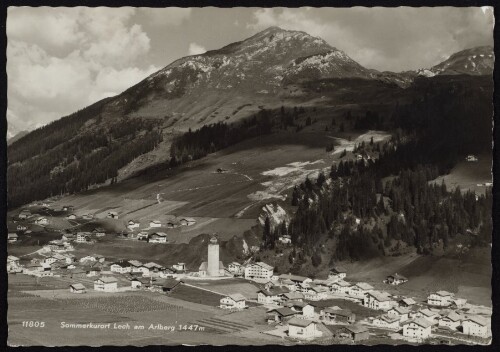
(296, 308)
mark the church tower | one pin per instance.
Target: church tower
(213, 257)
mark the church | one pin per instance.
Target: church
(213, 267)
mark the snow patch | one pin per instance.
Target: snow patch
(275, 213)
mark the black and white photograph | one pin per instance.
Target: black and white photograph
(249, 176)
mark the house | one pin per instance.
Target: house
(475, 326)
(295, 282)
(153, 269)
(401, 313)
(71, 217)
(315, 293)
(67, 208)
(41, 221)
(21, 227)
(406, 302)
(49, 260)
(170, 224)
(133, 224)
(155, 223)
(99, 232)
(303, 329)
(459, 302)
(187, 221)
(140, 236)
(169, 285)
(83, 237)
(236, 268)
(440, 298)
(259, 270)
(386, 322)
(139, 282)
(395, 279)
(280, 315)
(12, 237)
(340, 287)
(88, 258)
(234, 301)
(68, 237)
(121, 267)
(77, 288)
(332, 315)
(353, 332)
(13, 264)
(112, 214)
(77, 273)
(274, 295)
(471, 158)
(106, 284)
(24, 214)
(378, 300)
(337, 272)
(418, 328)
(91, 271)
(158, 237)
(450, 320)
(359, 290)
(88, 216)
(286, 239)
(292, 296)
(428, 314)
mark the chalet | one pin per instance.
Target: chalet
(13, 264)
(475, 326)
(378, 300)
(458, 302)
(340, 287)
(69, 258)
(401, 313)
(286, 239)
(292, 296)
(140, 282)
(83, 237)
(87, 216)
(324, 283)
(113, 215)
(99, 232)
(141, 236)
(354, 333)
(271, 296)
(234, 301)
(315, 293)
(158, 237)
(450, 320)
(166, 273)
(24, 214)
(337, 315)
(77, 288)
(169, 285)
(12, 237)
(77, 273)
(151, 269)
(337, 272)
(170, 224)
(120, 267)
(259, 270)
(359, 290)
(91, 271)
(429, 315)
(236, 268)
(50, 259)
(440, 298)
(133, 224)
(303, 329)
(187, 221)
(280, 315)
(68, 208)
(155, 223)
(395, 279)
(88, 258)
(106, 284)
(68, 237)
(179, 267)
(295, 282)
(21, 227)
(386, 322)
(418, 328)
(71, 217)
(37, 270)
(406, 302)
(41, 221)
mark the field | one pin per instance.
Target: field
(246, 288)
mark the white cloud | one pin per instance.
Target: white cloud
(196, 49)
(99, 54)
(167, 16)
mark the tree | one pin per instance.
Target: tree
(316, 259)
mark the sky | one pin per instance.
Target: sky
(60, 60)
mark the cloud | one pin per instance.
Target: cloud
(173, 16)
(196, 49)
(100, 54)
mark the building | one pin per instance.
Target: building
(354, 333)
(213, 268)
(24, 214)
(303, 329)
(120, 267)
(169, 285)
(337, 272)
(472, 158)
(42, 221)
(271, 296)
(83, 237)
(406, 302)
(459, 302)
(292, 296)
(12, 237)
(77, 288)
(428, 314)
(359, 290)
(378, 300)
(418, 328)
(475, 326)
(13, 264)
(286, 239)
(21, 227)
(106, 284)
(234, 301)
(395, 279)
(386, 322)
(203, 269)
(140, 282)
(315, 293)
(450, 320)
(155, 223)
(131, 224)
(336, 315)
(112, 214)
(280, 315)
(99, 232)
(88, 216)
(236, 268)
(157, 237)
(440, 298)
(340, 287)
(259, 270)
(401, 313)
(179, 267)
(187, 221)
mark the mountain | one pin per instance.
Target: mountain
(17, 136)
(474, 61)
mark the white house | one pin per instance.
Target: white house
(21, 227)
(475, 326)
(24, 214)
(401, 313)
(158, 237)
(12, 237)
(315, 293)
(303, 329)
(120, 267)
(378, 300)
(337, 272)
(236, 268)
(106, 284)
(131, 224)
(179, 266)
(387, 322)
(451, 320)
(428, 314)
(406, 302)
(271, 296)
(440, 298)
(187, 221)
(113, 215)
(340, 287)
(286, 239)
(259, 270)
(83, 237)
(418, 328)
(77, 288)
(42, 221)
(359, 290)
(234, 301)
(155, 223)
(395, 279)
